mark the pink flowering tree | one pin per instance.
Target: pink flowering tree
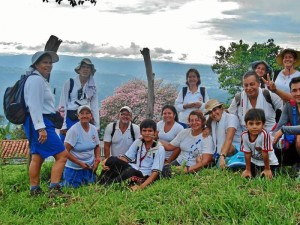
(134, 95)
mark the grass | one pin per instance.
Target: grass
(208, 197)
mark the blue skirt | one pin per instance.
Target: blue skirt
(53, 144)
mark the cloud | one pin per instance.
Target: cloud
(83, 48)
(146, 7)
(258, 20)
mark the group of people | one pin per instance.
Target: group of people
(194, 133)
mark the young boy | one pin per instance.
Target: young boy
(257, 146)
(143, 161)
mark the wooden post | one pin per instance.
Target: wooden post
(150, 77)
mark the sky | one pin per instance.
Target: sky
(187, 31)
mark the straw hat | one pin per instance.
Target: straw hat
(211, 104)
(296, 54)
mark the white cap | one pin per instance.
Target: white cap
(82, 108)
(126, 108)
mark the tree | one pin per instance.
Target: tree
(74, 2)
(134, 94)
(233, 62)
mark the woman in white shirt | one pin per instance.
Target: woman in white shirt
(82, 143)
(168, 128)
(196, 151)
(39, 128)
(289, 59)
(193, 98)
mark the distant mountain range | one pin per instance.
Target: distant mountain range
(111, 73)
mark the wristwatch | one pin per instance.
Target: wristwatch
(223, 155)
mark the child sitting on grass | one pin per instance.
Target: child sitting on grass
(257, 146)
(142, 162)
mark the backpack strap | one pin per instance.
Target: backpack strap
(202, 91)
(113, 129)
(294, 111)
(268, 98)
(237, 98)
(132, 132)
(184, 91)
(71, 87)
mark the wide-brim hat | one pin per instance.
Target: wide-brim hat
(80, 108)
(37, 55)
(279, 57)
(211, 104)
(126, 108)
(256, 63)
(88, 62)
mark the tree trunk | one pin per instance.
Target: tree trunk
(150, 77)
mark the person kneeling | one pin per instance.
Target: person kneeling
(143, 162)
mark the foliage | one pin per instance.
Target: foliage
(233, 62)
(210, 196)
(74, 2)
(11, 132)
(134, 95)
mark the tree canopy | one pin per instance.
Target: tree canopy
(233, 62)
(74, 2)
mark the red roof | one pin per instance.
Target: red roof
(14, 148)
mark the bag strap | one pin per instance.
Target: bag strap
(113, 129)
(71, 87)
(294, 111)
(268, 98)
(132, 132)
(202, 91)
(184, 91)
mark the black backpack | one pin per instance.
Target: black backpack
(131, 131)
(202, 91)
(14, 103)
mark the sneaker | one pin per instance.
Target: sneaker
(36, 192)
(57, 192)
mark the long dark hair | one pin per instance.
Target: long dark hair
(173, 109)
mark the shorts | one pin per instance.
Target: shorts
(53, 144)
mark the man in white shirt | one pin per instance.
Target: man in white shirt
(120, 135)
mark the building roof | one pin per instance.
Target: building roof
(10, 149)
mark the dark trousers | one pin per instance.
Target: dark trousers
(118, 172)
(287, 157)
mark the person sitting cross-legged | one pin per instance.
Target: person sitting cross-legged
(143, 161)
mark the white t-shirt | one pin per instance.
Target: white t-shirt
(146, 161)
(219, 130)
(191, 146)
(282, 82)
(168, 136)
(189, 98)
(263, 142)
(120, 142)
(83, 144)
